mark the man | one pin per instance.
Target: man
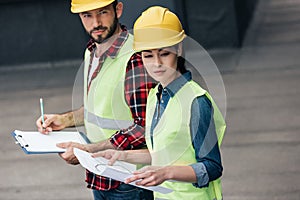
(115, 91)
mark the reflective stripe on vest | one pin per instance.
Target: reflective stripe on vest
(172, 142)
(106, 123)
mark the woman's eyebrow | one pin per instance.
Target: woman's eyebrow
(149, 51)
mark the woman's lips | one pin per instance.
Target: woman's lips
(159, 71)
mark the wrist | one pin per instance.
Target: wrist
(92, 148)
(124, 156)
(169, 173)
(67, 119)
(85, 147)
(100, 146)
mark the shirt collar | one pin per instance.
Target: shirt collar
(114, 49)
(173, 87)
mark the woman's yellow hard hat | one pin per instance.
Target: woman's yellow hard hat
(157, 27)
(78, 6)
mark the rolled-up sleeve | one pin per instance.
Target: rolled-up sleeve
(205, 142)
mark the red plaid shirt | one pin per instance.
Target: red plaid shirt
(137, 86)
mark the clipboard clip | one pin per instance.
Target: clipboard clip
(21, 141)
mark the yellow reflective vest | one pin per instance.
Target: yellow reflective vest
(105, 107)
(172, 143)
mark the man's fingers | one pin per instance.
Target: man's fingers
(39, 125)
(48, 130)
(98, 154)
(68, 156)
(44, 128)
(47, 121)
(63, 145)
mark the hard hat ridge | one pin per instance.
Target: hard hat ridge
(157, 27)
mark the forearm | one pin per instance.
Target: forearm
(99, 146)
(73, 118)
(78, 116)
(180, 173)
(141, 156)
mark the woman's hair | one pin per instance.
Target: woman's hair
(181, 65)
(181, 62)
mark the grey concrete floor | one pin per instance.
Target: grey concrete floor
(261, 147)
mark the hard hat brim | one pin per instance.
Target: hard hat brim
(149, 38)
(79, 8)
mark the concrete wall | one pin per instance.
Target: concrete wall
(46, 31)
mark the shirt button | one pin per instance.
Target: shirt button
(162, 101)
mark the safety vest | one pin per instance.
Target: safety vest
(172, 142)
(105, 107)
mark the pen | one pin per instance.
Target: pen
(42, 110)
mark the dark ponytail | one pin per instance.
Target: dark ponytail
(181, 65)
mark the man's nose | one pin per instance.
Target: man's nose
(96, 21)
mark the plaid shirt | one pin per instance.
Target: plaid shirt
(137, 86)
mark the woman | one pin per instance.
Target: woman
(184, 127)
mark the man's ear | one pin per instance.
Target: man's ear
(119, 9)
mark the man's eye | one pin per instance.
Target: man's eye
(102, 12)
(86, 15)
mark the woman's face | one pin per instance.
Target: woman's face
(161, 64)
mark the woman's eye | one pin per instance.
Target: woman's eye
(165, 54)
(148, 56)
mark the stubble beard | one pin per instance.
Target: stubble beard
(111, 30)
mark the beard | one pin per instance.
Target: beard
(111, 31)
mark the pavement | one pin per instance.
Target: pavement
(261, 147)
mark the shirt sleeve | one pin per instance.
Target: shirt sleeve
(205, 142)
(137, 86)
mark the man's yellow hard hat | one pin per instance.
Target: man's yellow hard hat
(78, 6)
(157, 27)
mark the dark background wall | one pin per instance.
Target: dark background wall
(243, 12)
(38, 31)
(46, 31)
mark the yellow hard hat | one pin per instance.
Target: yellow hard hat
(157, 27)
(78, 6)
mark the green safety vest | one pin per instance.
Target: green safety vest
(105, 107)
(172, 142)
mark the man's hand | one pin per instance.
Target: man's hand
(53, 122)
(68, 155)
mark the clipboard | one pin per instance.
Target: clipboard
(33, 142)
(118, 171)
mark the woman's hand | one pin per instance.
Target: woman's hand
(149, 176)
